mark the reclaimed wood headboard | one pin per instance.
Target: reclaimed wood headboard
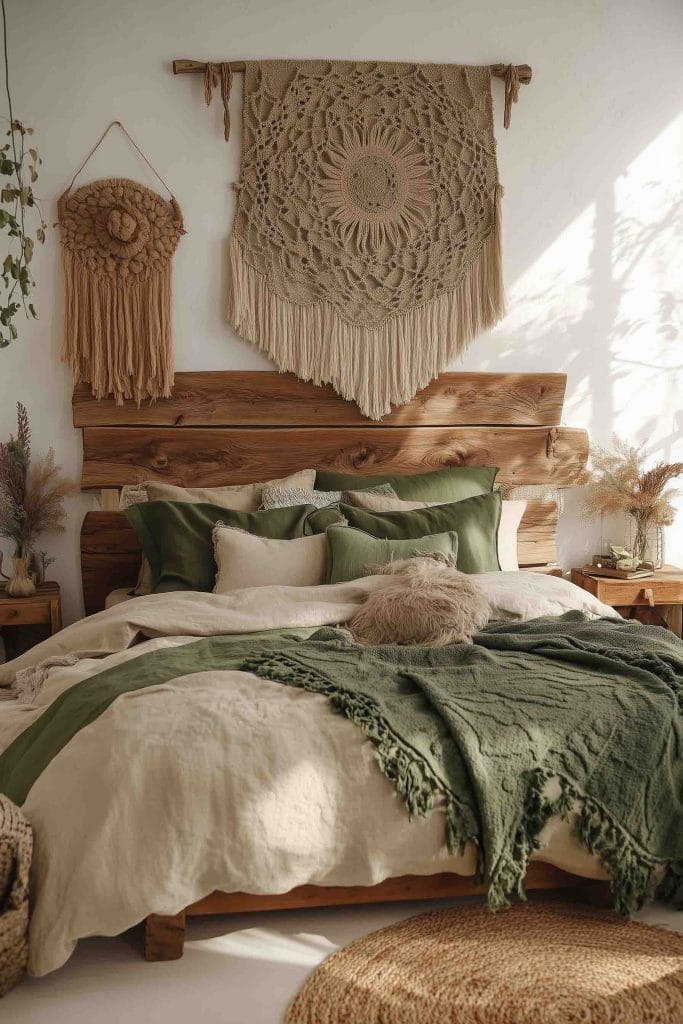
(241, 426)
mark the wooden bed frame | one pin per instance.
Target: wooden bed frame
(239, 427)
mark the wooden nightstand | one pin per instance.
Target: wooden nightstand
(32, 618)
(656, 599)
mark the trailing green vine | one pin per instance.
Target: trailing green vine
(19, 210)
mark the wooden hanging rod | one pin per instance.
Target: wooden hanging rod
(198, 67)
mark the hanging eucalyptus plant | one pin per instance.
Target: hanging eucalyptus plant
(19, 214)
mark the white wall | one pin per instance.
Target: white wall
(591, 165)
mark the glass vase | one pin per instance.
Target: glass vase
(646, 541)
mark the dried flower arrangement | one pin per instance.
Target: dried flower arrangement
(620, 484)
(31, 502)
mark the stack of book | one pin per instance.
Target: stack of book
(605, 565)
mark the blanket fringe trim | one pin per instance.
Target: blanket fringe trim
(636, 877)
(411, 775)
(375, 367)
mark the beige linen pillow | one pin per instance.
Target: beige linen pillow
(510, 518)
(244, 560)
(240, 497)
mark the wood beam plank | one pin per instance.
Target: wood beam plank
(536, 537)
(406, 887)
(265, 398)
(114, 456)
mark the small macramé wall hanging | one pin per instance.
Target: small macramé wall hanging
(366, 246)
(118, 239)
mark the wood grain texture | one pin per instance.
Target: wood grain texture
(164, 936)
(655, 600)
(406, 887)
(264, 398)
(31, 619)
(536, 537)
(206, 457)
(110, 557)
(666, 586)
(238, 427)
(184, 66)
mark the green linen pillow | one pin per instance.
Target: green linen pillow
(352, 550)
(475, 520)
(450, 484)
(176, 536)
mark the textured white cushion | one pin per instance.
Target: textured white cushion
(528, 595)
(244, 560)
(510, 518)
(284, 496)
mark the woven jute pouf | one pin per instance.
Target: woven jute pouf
(16, 847)
(531, 964)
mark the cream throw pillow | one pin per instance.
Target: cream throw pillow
(241, 497)
(244, 560)
(510, 518)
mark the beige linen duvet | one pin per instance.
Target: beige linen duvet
(220, 779)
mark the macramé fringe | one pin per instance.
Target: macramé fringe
(374, 367)
(117, 332)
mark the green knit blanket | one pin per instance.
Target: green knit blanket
(481, 729)
(553, 716)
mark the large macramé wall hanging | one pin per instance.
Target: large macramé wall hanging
(366, 246)
(118, 239)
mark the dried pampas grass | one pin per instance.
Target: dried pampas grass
(32, 491)
(620, 484)
(427, 601)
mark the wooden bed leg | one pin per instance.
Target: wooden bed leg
(164, 936)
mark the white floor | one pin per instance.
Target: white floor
(236, 970)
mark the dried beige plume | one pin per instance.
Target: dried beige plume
(32, 491)
(620, 483)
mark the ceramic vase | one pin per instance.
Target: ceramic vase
(22, 583)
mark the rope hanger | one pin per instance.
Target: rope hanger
(220, 73)
(117, 124)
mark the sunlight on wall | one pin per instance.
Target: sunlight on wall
(646, 349)
(647, 339)
(604, 303)
(553, 293)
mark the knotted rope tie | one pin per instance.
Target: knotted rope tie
(215, 75)
(511, 91)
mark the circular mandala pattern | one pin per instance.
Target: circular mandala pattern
(371, 182)
(376, 187)
(532, 964)
(370, 187)
(118, 227)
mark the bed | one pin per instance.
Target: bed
(169, 863)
